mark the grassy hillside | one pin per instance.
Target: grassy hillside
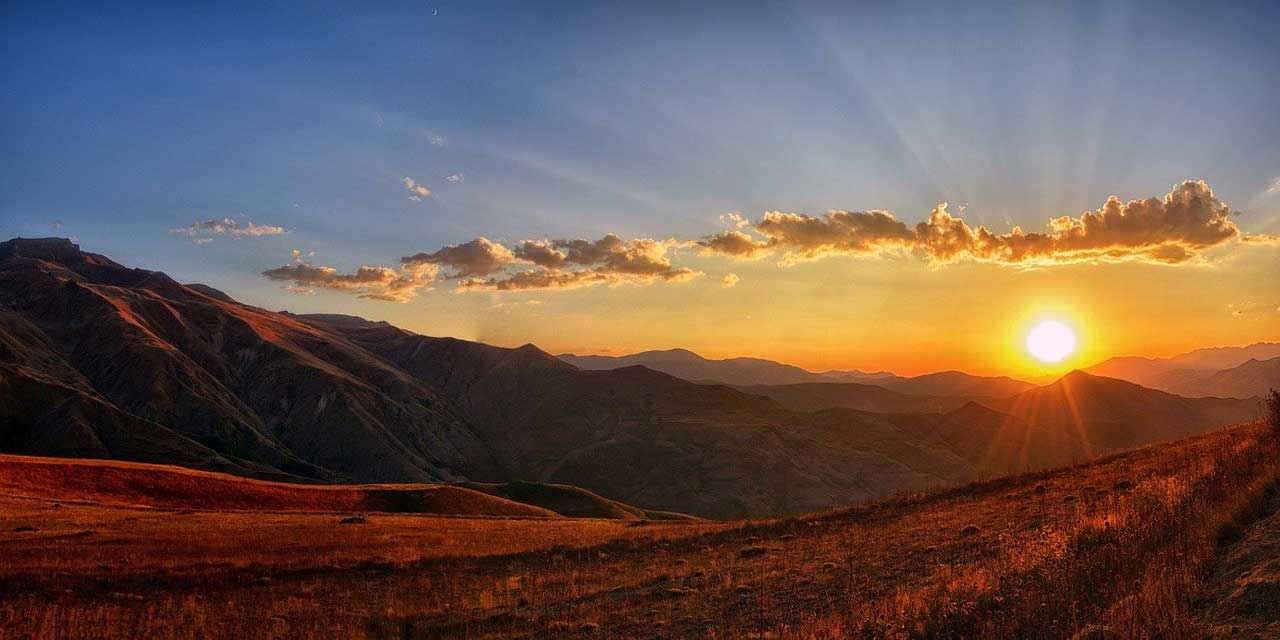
(106, 482)
(1121, 544)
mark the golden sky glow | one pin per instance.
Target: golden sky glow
(893, 313)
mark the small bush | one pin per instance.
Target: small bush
(1272, 409)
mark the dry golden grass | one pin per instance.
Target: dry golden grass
(1120, 544)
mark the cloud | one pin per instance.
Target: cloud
(542, 253)
(1273, 187)
(572, 264)
(479, 257)
(455, 178)
(735, 244)
(1172, 229)
(1261, 239)
(802, 237)
(1175, 228)
(56, 225)
(417, 191)
(376, 283)
(735, 219)
(437, 140)
(202, 230)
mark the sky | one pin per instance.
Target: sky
(739, 179)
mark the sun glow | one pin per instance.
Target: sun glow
(1051, 341)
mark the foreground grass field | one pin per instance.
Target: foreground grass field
(1132, 545)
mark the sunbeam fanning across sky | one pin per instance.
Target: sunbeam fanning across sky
(825, 184)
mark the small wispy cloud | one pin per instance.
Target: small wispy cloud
(455, 178)
(437, 140)
(417, 191)
(1274, 186)
(729, 280)
(203, 231)
(56, 225)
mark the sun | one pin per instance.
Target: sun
(1051, 341)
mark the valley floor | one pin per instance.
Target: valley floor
(1117, 546)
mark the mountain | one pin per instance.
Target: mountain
(98, 360)
(815, 396)
(688, 365)
(1251, 379)
(1196, 373)
(743, 372)
(956, 383)
(1107, 414)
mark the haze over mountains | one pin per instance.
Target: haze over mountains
(99, 360)
(688, 365)
(1229, 372)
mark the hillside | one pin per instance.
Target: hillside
(130, 484)
(815, 396)
(1114, 545)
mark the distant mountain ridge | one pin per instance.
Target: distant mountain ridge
(98, 360)
(742, 372)
(1227, 372)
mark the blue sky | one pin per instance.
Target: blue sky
(578, 119)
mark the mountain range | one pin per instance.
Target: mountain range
(1228, 372)
(688, 365)
(99, 360)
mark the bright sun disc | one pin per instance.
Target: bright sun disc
(1051, 341)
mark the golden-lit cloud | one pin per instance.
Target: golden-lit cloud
(417, 190)
(1171, 229)
(734, 244)
(479, 257)
(375, 283)
(1263, 239)
(1175, 228)
(571, 264)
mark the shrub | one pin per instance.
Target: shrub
(1272, 409)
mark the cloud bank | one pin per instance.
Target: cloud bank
(375, 283)
(1176, 228)
(1172, 229)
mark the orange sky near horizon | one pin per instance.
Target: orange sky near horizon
(890, 313)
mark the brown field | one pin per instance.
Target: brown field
(1134, 544)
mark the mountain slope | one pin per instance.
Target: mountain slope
(1107, 414)
(262, 390)
(688, 365)
(1203, 372)
(816, 396)
(744, 372)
